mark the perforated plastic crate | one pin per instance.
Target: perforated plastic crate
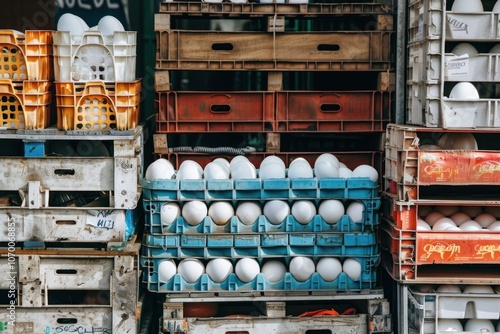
(25, 104)
(93, 57)
(26, 56)
(97, 105)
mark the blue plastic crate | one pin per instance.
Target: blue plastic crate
(177, 284)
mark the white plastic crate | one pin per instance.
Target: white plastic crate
(425, 19)
(95, 57)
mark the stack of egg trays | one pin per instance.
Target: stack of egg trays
(261, 240)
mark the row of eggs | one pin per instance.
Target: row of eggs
(470, 50)
(468, 219)
(326, 165)
(470, 325)
(107, 25)
(453, 288)
(246, 269)
(248, 212)
(472, 6)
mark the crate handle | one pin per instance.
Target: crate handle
(6, 86)
(328, 47)
(94, 88)
(91, 33)
(222, 46)
(64, 171)
(330, 107)
(8, 36)
(66, 271)
(67, 321)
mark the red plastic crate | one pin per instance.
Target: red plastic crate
(191, 111)
(333, 111)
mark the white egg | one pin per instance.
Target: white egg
(433, 217)
(329, 268)
(169, 212)
(272, 170)
(342, 165)
(480, 289)
(471, 211)
(325, 169)
(496, 8)
(166, 270)
(470, 226)
(248, 212)
(192, 163)
(496, 47)
(449, 325)
(458, 141)
(495, 226)
(449, 288)
(274, 270)
(496, 288)
(221, 212)
(493, 210)
(302, 268)
(331, 210)
(190, 170)
(430, 147)
(303, 211)
(328, 157)
(442, 224)
(365, 171)
(272, 159)
(300, 168)
(191, 269)
(223, 162)
(423, 226)
(160, 169)
(447, 210)
(276, 211)
(453, 228)
(194, 212)
(463, 91)
(247, 269)
(215, 171)
(237, 159)
(109, 24)
(345, 173)
(352, 268)
(479, 326)
(219, 269)
(459, 217)
(464, 49)
(74, 24)
(423, 211)
(467, 6)
(485, 219)
(241, 170)
(425, 288)
(355, 211)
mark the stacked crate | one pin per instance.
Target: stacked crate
(68, 193)
(427, 179)
(291, 83)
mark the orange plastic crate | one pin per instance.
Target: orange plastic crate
(333, 111)
(190, 111)
(25, 104)
(26, 57)
(97, 105)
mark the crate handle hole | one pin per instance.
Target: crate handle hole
(330, 107)
(67, 321)
(65, 222)
(220, 108)
(222, 46)
(328, 47)
(66, 271)
(64, 171)
(319, 331)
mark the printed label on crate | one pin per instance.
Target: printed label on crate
(459, 247)
(459, 167)
(457, 66)
(101, 219)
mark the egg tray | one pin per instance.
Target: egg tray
(261, 225)
(263, 245)
(257, 189)
(232, 283)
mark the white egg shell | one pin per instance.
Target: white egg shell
(301, 268)
(442, 224)
(486, 289)
(303, 211)
(191, 269)
(496, 288)
(365, 171)
(274, 270)
(325, 169)
(331, 210)
(449, 325)
(272, 170)
(423, 226)
(166, 270)
(73, 24)
(169, 212)
(496, 7)
(493, 210)
(215, 171)
(328, 157)
(471, 211)
(453, 228)
(223, 162)
(345, 173)
(237, 159)
(458, 141)
(193, 164)
(467, 6)
(485, 219)
(425, 288)
(247, 269)
(464, 49)
(449, 288)
(276, 211)
(329, 268)
(463, 91)
(429, 147)
(433, 217)
(460, 217)
(109, 24)
(355, 211)
(447, 210)
(495, 226)
(243, 170)
(160, 169)
(496, 47)
(194, 212)
(423, 211)
(470, 226)
(479, 326)
(248, 212)
(219, 269)
(300, 168)
(272, 159)
(352, 268)
(190, 170)
(221, 212)
(342, 165)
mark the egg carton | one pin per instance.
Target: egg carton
(261, 245)
(257, 189)
(261, 225)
